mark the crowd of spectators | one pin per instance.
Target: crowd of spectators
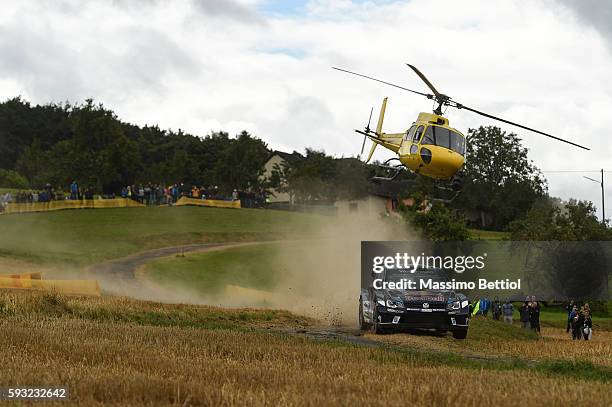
(149, 194)
(157, 194)
(579, 318)
(579, 321)
(48, 194)
(529, 312)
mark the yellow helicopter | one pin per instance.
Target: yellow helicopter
(430, 147)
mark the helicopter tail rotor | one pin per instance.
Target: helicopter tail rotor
(378, 132)
(367, 130)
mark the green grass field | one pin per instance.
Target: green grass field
(208, 273)
(116, 350)
(82, 237)
(477, 234)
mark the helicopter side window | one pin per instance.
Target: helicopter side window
(457, 143)
(429, 136)
(410, 133)
(417, 135)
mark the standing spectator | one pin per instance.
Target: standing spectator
(141, 194)
(235, 195)
(569, 309)
(524, 311)
(587, 327)
(147, 194)
(507, 310)
(74, 191)
(587, 309)
(484, 306)
(175, 193)
(160, 194)
(534, 314)
(576, 324)
(496, 309)
(481, 306)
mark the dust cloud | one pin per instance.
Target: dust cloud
(320, 276)
(324, 276)
(317, 276)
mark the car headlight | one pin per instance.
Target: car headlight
(453, 305)
(394, 303)
(464, 303)
(380, 302)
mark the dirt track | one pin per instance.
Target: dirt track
(124, 267)
(118, 276)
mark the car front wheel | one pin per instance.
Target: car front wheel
(364, 326)
(460, 334)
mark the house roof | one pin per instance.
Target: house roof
(290, 157)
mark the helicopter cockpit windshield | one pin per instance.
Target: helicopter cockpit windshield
(443, 137)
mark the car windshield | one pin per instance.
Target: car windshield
(443, 137)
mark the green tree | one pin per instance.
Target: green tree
(500, 180)
(240, 165)
(12, 179)
(548, 220)
(434, 220)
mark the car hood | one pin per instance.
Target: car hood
(417, 296)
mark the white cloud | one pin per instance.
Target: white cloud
(207, 65)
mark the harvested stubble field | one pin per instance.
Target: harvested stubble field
(119, 351)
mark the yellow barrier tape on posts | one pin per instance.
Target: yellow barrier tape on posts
(208, 202)
(9, 282)
(29, 276)
(69, 204)
(70, 287)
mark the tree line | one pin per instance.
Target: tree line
(58, 143)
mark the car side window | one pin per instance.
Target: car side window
(417, 135)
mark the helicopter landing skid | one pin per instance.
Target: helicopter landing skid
(392, 170)
(455, 194)
(447, 200)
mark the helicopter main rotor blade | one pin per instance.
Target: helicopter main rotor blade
(427, 95)
(429, 84)
(460, 106)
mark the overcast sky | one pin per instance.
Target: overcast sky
(264, 66)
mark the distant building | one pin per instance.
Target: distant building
(382, 198)
(276, 160)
